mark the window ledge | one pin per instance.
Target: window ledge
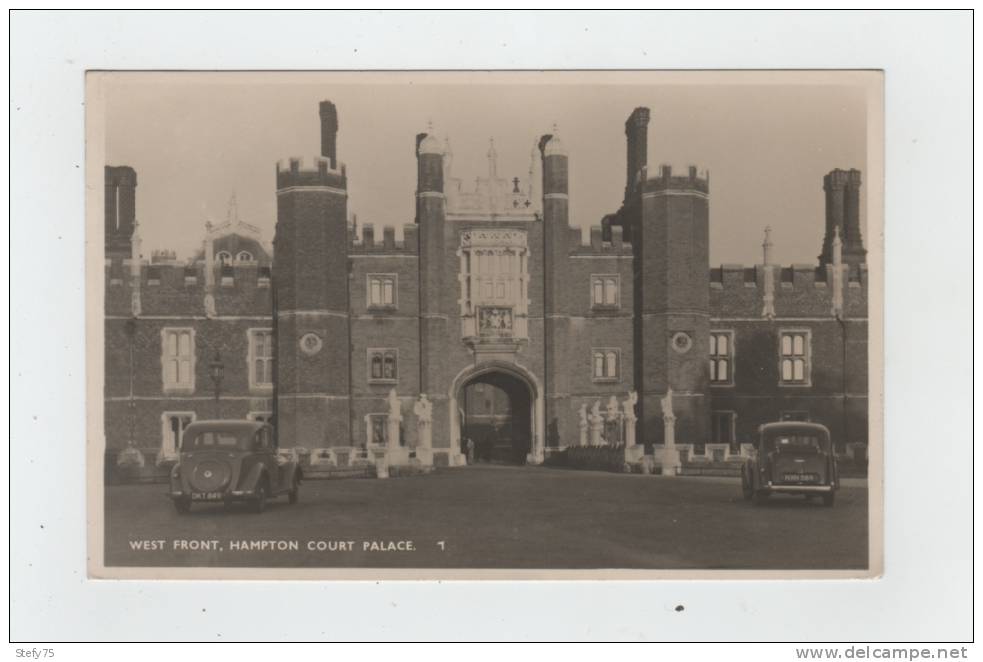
(606, 380)
(383, 381)
(381, 308)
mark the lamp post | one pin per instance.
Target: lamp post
(217, 370)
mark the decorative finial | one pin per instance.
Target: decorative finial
(429, 126)
(232, 216)
(492, 159)
(766, 246)
(556, 131)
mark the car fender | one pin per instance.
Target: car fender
(257, 472)
(291, 472)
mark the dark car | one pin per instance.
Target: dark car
(791, 458)
(227, 461)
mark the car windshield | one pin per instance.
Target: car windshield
(794, 441)
(217, 440)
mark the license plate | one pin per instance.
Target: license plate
(801, 478)
(207, 496)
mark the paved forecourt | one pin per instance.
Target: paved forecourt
(496, 517)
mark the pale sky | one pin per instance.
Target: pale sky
(195, 138)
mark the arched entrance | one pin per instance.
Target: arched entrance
(499, 408)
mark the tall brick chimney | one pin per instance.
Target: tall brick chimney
(329, 133)
(121, 185)
(842, 188)
(636, 132)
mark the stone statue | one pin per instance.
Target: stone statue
(596, 423)
(423, 409)
(583, 424)
(628, 406)
(613, 409)
(667, 405)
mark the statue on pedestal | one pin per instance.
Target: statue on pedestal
(583, 424)
(395, 417)
(596, 423)
(669, 419)
(423, 409)
(628, 407)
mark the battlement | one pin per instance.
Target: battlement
(294, 172)
(590, 241)
(695, 179)
(797, 290)
(385, 242)
(176, 289)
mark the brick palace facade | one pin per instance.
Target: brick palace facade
(518, 328)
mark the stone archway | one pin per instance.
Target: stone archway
(521, 428)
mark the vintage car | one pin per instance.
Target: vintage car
(227, 461)
(791, 458)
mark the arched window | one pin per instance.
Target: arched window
(606, 364)
(610, 291)
(377, 366)
(605, 290)
(611, 365)
(223, 257)
(598, 365)
(244, 256)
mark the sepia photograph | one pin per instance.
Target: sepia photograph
(384, 326)
(486, 324)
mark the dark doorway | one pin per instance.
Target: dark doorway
(497, 418)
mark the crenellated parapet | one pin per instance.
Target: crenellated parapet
(175, 288)
(295, 173)
(798, 290)
(694, 181)
(385, 242)
(592, 241)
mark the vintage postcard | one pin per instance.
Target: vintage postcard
(502, 325)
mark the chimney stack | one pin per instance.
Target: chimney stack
(636, 132)
(329, 133)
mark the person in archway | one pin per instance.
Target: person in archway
(469, 450)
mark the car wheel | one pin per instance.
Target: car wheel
(758, 497)
(294, 495)
(259, 501)
(828, 499)
(183, 506)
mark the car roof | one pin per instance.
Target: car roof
(225, 426)
(794, 425)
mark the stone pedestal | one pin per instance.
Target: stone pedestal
(634, 453)
(596, 425)
(382, 467)
(398, 456)
(424, 456)
(669, 454)
(583, 433)
(668, 458)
